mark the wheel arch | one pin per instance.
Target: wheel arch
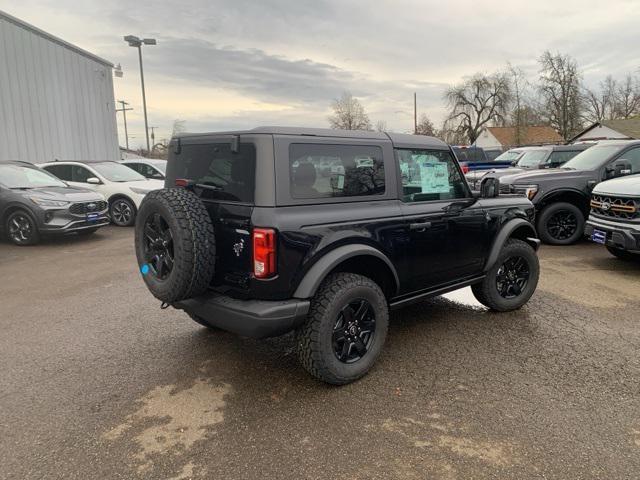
(516, 228)
(574, 197)
(9, 209)
(117, 196)
(360, 259)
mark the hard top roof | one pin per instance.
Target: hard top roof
(399, 139)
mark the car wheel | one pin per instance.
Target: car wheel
(345, 329)
(510, 283)
(175, 244)
(21, 229)
(561, 224)
(123, 212)
(623, 254)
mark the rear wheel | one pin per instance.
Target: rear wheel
(123, 212)
(345, 329)
(510, 283)
(21, 228)
(623, 254)
(561, 224)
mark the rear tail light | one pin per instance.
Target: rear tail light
(264, 252)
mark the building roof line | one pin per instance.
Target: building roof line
(22, 24)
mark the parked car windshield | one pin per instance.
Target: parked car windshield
(532, 158)
(593, 157)
(508, 156)
(115, 172)
(17, 176)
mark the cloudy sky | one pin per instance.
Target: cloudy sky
(226, 64)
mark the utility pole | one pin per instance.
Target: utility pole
(415, 113)
(153, 136)
(124, 110)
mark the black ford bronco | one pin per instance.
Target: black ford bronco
(270, 230)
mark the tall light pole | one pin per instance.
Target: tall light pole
(124, 110)
(136, 42)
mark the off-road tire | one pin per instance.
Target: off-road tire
(551, 210)
(624, 254)
(194, 245)
(314, 337)
(486, 292)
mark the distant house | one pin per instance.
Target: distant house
(623, 129)
(505, 137)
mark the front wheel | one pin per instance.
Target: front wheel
(510, 283)
(345, 329)
(561, 224)
(21, 229)
(623, 254)
(123, 212)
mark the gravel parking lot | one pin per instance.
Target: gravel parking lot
(98, 382)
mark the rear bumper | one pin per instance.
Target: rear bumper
(619, 235)
(249, 318)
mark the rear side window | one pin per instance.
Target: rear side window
(63, 172)
(232, 175)
(325, 171)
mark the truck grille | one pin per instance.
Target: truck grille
(615, 207)
(505, 188)
(87, 207)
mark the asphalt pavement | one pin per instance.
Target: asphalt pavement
(97, 382)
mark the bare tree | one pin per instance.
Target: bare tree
(349, 114)
(560, 91)
(599, 104)
(627, 98)
(381, 126)
(425, 127)
(478, 101)
(451, 134)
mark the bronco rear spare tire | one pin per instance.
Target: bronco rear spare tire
(175, 244)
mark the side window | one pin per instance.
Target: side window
(150, 172)
(134, 166)
(560, 158)
(80, 174)
(429, 175)
(63, 172)
(325, 171)
(633, 157)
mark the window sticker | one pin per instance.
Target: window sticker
(434, 175)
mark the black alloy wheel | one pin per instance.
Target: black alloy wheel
(21, 229)
(354, 331)
(158, 246)
(122, 212)
(512, 277)
(562, 225)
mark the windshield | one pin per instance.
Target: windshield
(593, 157)
(509, 156)
(116, 172)
(18, 176)
(532, 158)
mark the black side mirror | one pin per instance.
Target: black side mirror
(619, 168)
(490, 187)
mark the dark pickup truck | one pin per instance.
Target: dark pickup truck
(322, 232)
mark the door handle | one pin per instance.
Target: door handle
(419, 226)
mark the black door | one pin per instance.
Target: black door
(447, 229)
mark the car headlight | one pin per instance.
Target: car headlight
(139, 191)
(528, 191)
(48, 203)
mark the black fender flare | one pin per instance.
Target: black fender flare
(316, 274)
(505, 233)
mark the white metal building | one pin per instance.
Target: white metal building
(56, 100)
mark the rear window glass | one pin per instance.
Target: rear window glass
(324, 171)
(232, 175)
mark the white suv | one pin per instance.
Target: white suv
(123, 188)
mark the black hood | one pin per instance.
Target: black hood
(547, 175)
